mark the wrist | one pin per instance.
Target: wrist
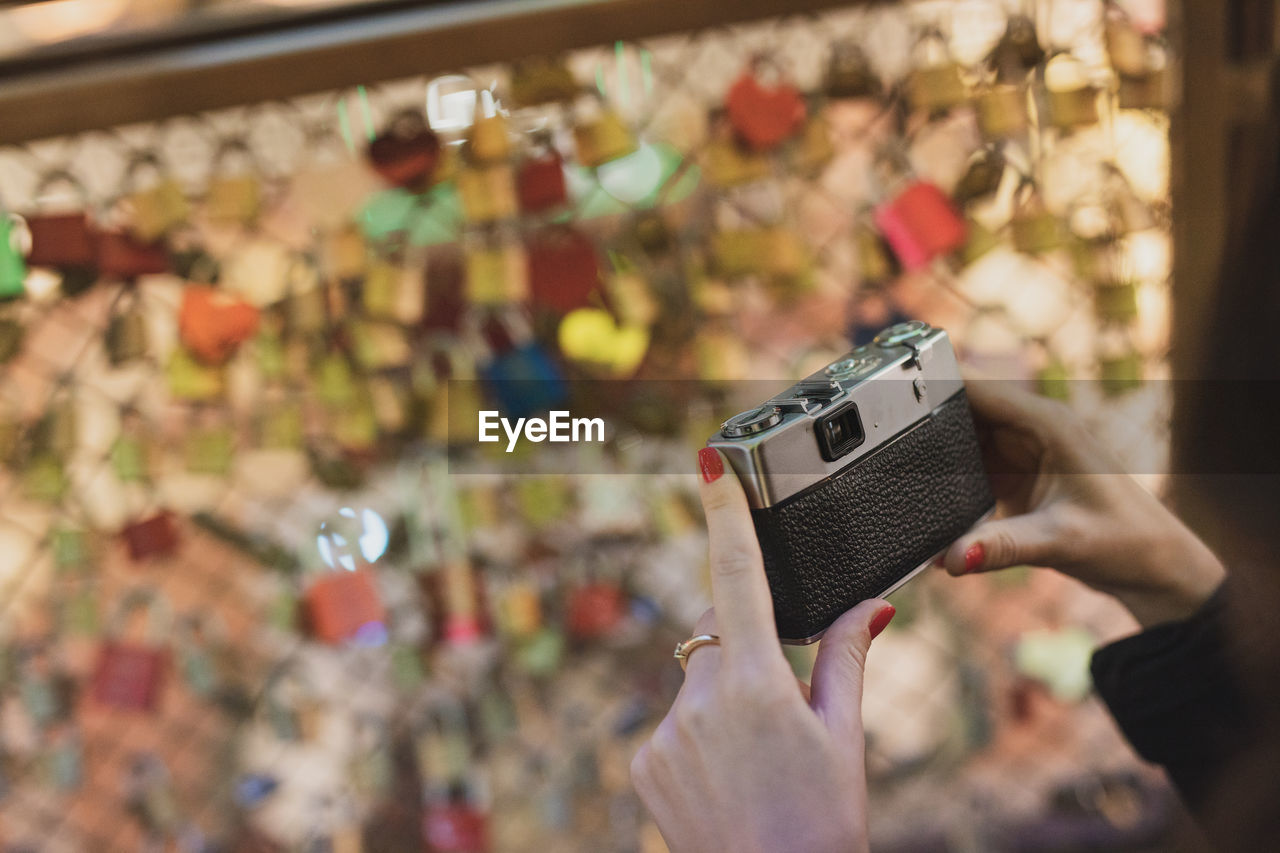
(1180, 574)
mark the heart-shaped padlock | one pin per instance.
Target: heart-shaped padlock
(763, 116)
(406, 152)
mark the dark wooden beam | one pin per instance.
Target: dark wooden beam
(44, 96)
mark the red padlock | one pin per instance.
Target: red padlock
(61, 240)
(212, 323)
(406, 153)
(594, 610)
(454, 826)
(151, 538)
(122, 256)
(540, 183)
(344, 605)
(920, 224)
(764, 117)
(564, 268)
(130, 674)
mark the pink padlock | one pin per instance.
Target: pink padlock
(920, 224)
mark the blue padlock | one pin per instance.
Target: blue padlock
(520, 375)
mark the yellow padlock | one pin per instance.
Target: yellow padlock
(813, 150)
(157, 210)
(379, 346)
(738, 251)
(542, 80)
(489, 141)
(487, 193)
(727, 164)
(233, 200)
(1070, 99)
(1002, 111)
(631, 299)
(344, 254)
(937, 83)
(785, 256)
(496, 273)
(1034, 228)
(602, 138)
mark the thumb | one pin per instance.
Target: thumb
(836, 691)
(1016, 541)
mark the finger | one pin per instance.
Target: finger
(999, 401)
(1017, 541)
(739, 589)
(837, 670)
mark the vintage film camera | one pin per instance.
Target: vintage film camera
(859, 475)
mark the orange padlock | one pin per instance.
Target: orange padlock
(212, 323)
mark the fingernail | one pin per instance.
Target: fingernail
(973, 557)
(710, 464)
(882, 619)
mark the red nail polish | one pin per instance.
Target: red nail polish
(973, 557)
(882, 619)
(710, 463)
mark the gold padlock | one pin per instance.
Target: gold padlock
(785, 255)
(1116, 301)
(496, 273)
(813, 150)
(1071, 100)
(1035, 230)
(1148, 92)
(488, 193)
(1002, 110)
(233, 200)
(542, 80)
(602, 138)
(727, 164)
(488, 141)
(379, 346)
(738, 251)
(157, 210)
(344, 254)
(875, 265)
(937, 83)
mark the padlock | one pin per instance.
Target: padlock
(213, 323)
(344, 605)
(594, 610)
(982, 177)
(1120, 372)
(44, 478)
(58, 429)
(520, 609)
(160, 207)
(1116, 301)
(344, 254)
(391, 404)
(937, 83)
(13, 269)
(152, 538)
(979, 242)
(920, 224)
(378, 346)
(542, 500)
(79, 614)
(564, 268)
(1017, 53)
(62, 241)
(542, 80)
(876, 265)
(496, 270)
(306, 312)
(1127, 46)
(1148, 92)
(446, 289)
(488, 140)
(126, 337)
(394, 291)
(192, 381)
(487, 193)
(601, 136)
(593, 340)
(447, 385)
(1035, 230)
(631, 298)
(519, 373)
(354, 428)
(234, 195)
(1002, 110)
(814, 149)
(728, 164)
(455, 827)
(1071, 100)
(849, 73)
(264, 272)
(280, 427)
(121, 256)
(406, 152)
(762, 115)
(540, 183)
(1052, 380)
(130, 672)
(209, 445)
(408, 670)
(70, 548)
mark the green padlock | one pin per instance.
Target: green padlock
(191, 380)
(70, 548)
(129, 458)
(1120, 373)
(13, 269)
(80, 614)
(1051, 381)
(1116, 301)
(335, 381)
(44, 479)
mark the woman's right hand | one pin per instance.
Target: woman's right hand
(1065, 503)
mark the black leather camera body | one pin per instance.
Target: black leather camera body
(859, 475)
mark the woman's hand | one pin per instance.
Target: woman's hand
(1066, 504)
(745, 760)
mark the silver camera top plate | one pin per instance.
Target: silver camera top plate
(894, 382)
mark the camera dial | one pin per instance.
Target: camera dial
(751, 422)
(902, 333)
(847, 368)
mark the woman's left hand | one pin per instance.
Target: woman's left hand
(745, 760)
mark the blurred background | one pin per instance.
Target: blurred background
(261, 260)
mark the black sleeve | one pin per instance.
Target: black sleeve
(1176, 697)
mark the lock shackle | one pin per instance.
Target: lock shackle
(54, 177)
(231, 146)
